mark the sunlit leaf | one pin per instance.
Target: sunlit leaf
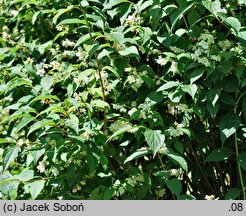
(219, 154)
(9, 155)
(228, 126)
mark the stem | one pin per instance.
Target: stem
(186, 25)
(87, 22)
(99, 72)
(201, 169)
(163, 167)
(237, 152)
(103, 92)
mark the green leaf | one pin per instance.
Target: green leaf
(234, 23)
(4, 141)
(242, 160)
(72, 21)
(137, 155)
(122, 130)
(186, 197)
(56, 108)
(214, 95)
(60, 12)
(108, 194)
(228, 126)
(9, 155)
(25, 175)
(35, 188)
(15, 82)
(155, 139)
(36, 154)
(175, 186)
(104, 53)
(142, 5)
(233, 194)
(213, 6)
(91, 162)
(40, 124)
(230, 84)
(196, 74)
(86, 73)
(46, 82)
(25, 121)
(100, 104)
(176, 16)
(35, 17)
(131, 51)
(44, 97)
(190, 89)
(73, 122)
(179, 159)
(242, 35)
(86, 37)
(219, 154)
(168, 85)
(104, 161)
(213, 109)
(91, 47)
(111, 69)
(113, 3)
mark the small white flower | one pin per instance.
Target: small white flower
(215, 58)
(55, 65)
(81, 55)
(223, 10)
(128, 69)
(131, 19)
(5, 36)
(53, 51)
(76, 96)
(9, 98)
(158, 82)
(104, 76)
(59, 28)
(123, 110)
(130, 112)
(161, 61)
(14, 12)
(143, 115)
(85, 81)
(163, 150)
(133, 130)
(67, 43)
(76, 80)
(211, 197)
(29, 60)
(40, 72)
(173, 67)
(41, 167)
(108, 88)
(174, 172)
(85, 135)
(20, 142)
(131, 79)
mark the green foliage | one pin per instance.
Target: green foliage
(122, 99)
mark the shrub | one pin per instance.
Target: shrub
(122, 99)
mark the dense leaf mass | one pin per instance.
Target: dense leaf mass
(122, 99)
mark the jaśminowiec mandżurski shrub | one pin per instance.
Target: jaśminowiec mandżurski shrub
(121, 99)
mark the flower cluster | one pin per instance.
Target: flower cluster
(134, 78)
